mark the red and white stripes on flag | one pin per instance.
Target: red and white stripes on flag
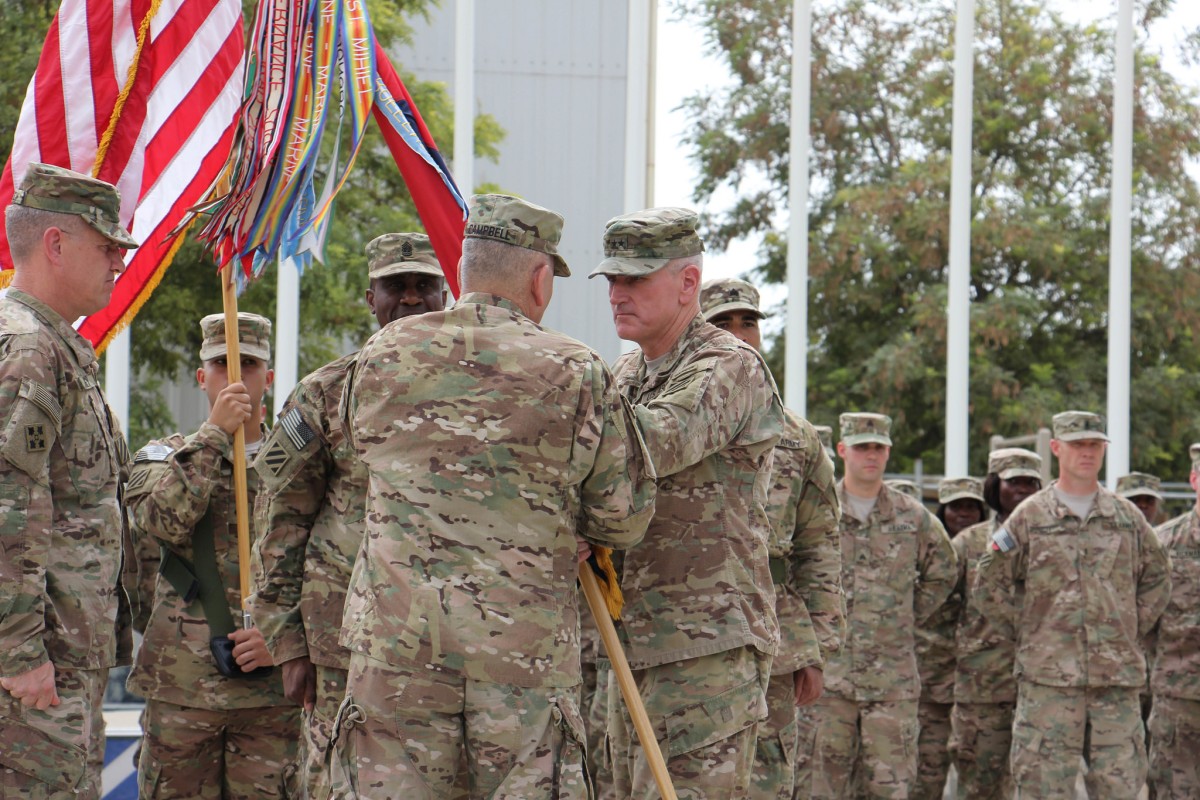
(142, 94)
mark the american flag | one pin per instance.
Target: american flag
(143, 95)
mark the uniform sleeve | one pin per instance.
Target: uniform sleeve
(617, 496)
(31, 413)
(1154, 579)
(938, 569)
(999, 585)
(168, 492)
(293, 466)
(817, 553)
(703, 407)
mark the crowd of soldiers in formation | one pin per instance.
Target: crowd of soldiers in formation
(420, 509)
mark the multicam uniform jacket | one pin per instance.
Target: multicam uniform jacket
(984, 670)
(173, 483)
(491, 443)
(61, 597)
(898, 568)
(1176, 656)
(1091, 590)
(700, 582)
(806, 547)
(310, 521)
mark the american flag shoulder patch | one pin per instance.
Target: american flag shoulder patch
(297, 430)
(153, 452)
(1002, 541)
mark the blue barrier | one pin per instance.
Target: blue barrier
(123, 731)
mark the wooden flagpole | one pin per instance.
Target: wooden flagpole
(620, 665)
(233, 356)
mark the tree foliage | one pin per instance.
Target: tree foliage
(882, 79)
(375, 200)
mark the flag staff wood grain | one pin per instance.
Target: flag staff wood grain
(620, 667)
(233, 358)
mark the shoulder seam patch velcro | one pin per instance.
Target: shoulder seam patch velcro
(42, 397)
(296, 428)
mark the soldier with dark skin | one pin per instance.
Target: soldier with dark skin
(63, 611)
(1078, 578)
(985, 690)
(311, 510)
(805, 559)
(1144, 491)
(208, 734)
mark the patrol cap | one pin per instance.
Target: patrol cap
(951, 489)
(254, 336)
(1072, 426)
(511, 220)
(65, 191)
(825, 434)
(645, 241)
(1136, 484)
(722, 295)
(396, 253)
(1015, 462)
(1194, 454)
(905, 487)
(863, 428)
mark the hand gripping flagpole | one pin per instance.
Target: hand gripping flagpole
(233, 359)
(620, 666)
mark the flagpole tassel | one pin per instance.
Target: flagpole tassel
(105, 140)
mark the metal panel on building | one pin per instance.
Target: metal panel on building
(553, 74)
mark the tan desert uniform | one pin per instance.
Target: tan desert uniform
(699, 625)
(61, 598)
(1085, 592)
(491, 445)
(311, 520)
(1175, 673)
(898, 568)
(806, 566)
(985, 690)
(206, 735)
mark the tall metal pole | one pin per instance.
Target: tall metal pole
(639, 116)
(796, 352)
(958, 294)
(116, 378)
(464, 95)
(287, 331)
(1120, 250)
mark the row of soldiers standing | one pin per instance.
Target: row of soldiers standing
(421, 507)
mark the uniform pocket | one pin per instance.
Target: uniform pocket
(35, 753)
(571, 779)
(341, 756)
(708, 722)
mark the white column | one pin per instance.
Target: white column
(287, 332)
(1120, 249)
(464, 96)
(116, 378)
(796, 335)
(639, 117)
(958, 294)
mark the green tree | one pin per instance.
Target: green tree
(166, 334)
(882, 80)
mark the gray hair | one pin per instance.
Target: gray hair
(24, 227)
(489, 265)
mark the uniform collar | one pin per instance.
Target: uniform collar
(85, 354)
(1104, 506)
(677, 351)
(486, 299)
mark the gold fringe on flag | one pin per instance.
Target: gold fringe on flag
(610, 587)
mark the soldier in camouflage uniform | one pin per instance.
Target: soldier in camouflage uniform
(311, 506)
(63, 615)
(1175, 658)
(496, 451)
(960, 505)
(898, 568)
(985, 691)
(806, 560)
(1078, 578)
(825, 434)
(207, 735)
(699, 624)
(1144, 491)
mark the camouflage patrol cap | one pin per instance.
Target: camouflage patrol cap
(1072, 426)
(951, 489)
(511, 220)
(863, 428)
(1194, 454)
(902, 486)
(1136, 484)
(254, 336)
(65, 191)
(722, 295)
(825, 434)
(645, 241)
(396, 253)
(1014, 462)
